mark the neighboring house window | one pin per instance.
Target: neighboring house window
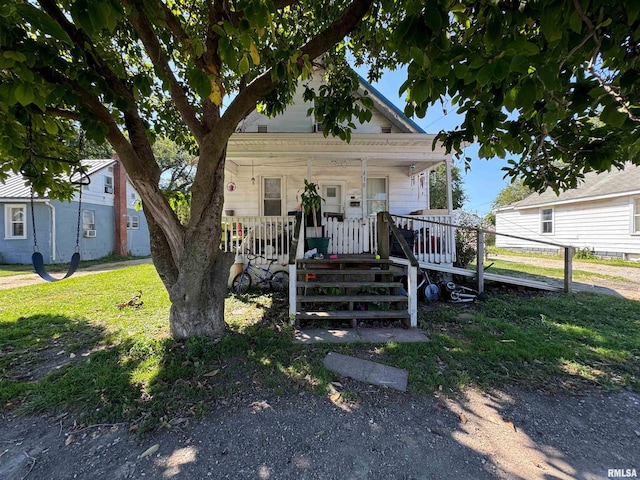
(386, 128)
(89, 223)
(546, 220)
(108, 184)
(272, 196)
(376, 195)
(133, 222)
(15, 221)
(636, 215)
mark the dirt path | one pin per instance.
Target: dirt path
(510, 434)
(33, 278)
(628, 288)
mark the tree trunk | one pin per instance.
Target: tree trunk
(197, 299)
(197, 281)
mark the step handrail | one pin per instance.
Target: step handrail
(385, 217)
(293, 248)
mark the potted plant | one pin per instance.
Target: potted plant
(311, 202)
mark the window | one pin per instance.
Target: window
(376, 195)
(262, 129)
(272, 196)
(636, 216)
(88, 221)
(133, 222)
(386, 129)
(546, 220)
(108, 184)
(15, 220)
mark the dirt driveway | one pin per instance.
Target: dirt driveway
(508, 434)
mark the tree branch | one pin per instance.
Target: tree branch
(62, 113)
(160, 60)
(246, 100)
(84, 44)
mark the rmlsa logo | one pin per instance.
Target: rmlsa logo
(622, 473)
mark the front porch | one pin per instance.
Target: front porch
(270, 237)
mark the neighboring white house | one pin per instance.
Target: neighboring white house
(602, 215)
(109, 222)
(384, 167)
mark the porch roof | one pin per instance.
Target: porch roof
(383, 149)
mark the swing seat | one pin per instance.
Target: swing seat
(38, 264)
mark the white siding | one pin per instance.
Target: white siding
(295, 120)
(245, 199)
(603, 226)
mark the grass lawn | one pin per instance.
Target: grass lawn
(68, 347)
(7, 270)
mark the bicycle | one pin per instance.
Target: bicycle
(278, 281)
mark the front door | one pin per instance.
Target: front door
(332, 194)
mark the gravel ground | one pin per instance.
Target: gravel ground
(509, 434)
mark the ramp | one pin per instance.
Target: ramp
(493, 277)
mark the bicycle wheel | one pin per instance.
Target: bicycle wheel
(279, 281)
(241, 283)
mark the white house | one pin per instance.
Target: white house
(384, 167)
(602, 215)
(109, 222)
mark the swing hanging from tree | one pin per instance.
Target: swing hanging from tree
(77, 177)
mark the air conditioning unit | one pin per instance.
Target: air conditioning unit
(90, 233)
(108, 189)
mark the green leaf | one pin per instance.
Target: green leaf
(611, 115)
(24, 94)
(243, 66)
(527, 95)
(575, 22)
(484, 75)
(43, 22)
(519, 64)
(420, 91)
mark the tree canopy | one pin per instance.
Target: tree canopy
(551, 83)
(438, 188)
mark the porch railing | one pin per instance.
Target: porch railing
(271, 236)
(435, 240)
(266, 236)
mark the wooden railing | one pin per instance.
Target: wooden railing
(266, 236)
(435, 240)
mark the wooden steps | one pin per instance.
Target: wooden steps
(355, 288)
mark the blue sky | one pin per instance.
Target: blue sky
(485, 179)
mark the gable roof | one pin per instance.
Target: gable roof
(390, 110)
(595, 186)
(16, 186)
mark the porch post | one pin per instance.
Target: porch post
(449, 188)
(363, 186)
(412, 284)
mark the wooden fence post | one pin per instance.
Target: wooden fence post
(382, 228)
(480, 261)
(568, 269)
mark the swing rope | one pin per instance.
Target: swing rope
(30, 170)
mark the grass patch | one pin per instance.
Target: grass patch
(493, 250)
(504, 267)
(66, 347)
(12, 270)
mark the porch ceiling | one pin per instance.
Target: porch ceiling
(377, 149)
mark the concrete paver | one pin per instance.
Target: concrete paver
(366, 335)
(367, 371)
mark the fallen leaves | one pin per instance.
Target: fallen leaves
(149, 451)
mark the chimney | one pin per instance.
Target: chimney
(120, 207)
